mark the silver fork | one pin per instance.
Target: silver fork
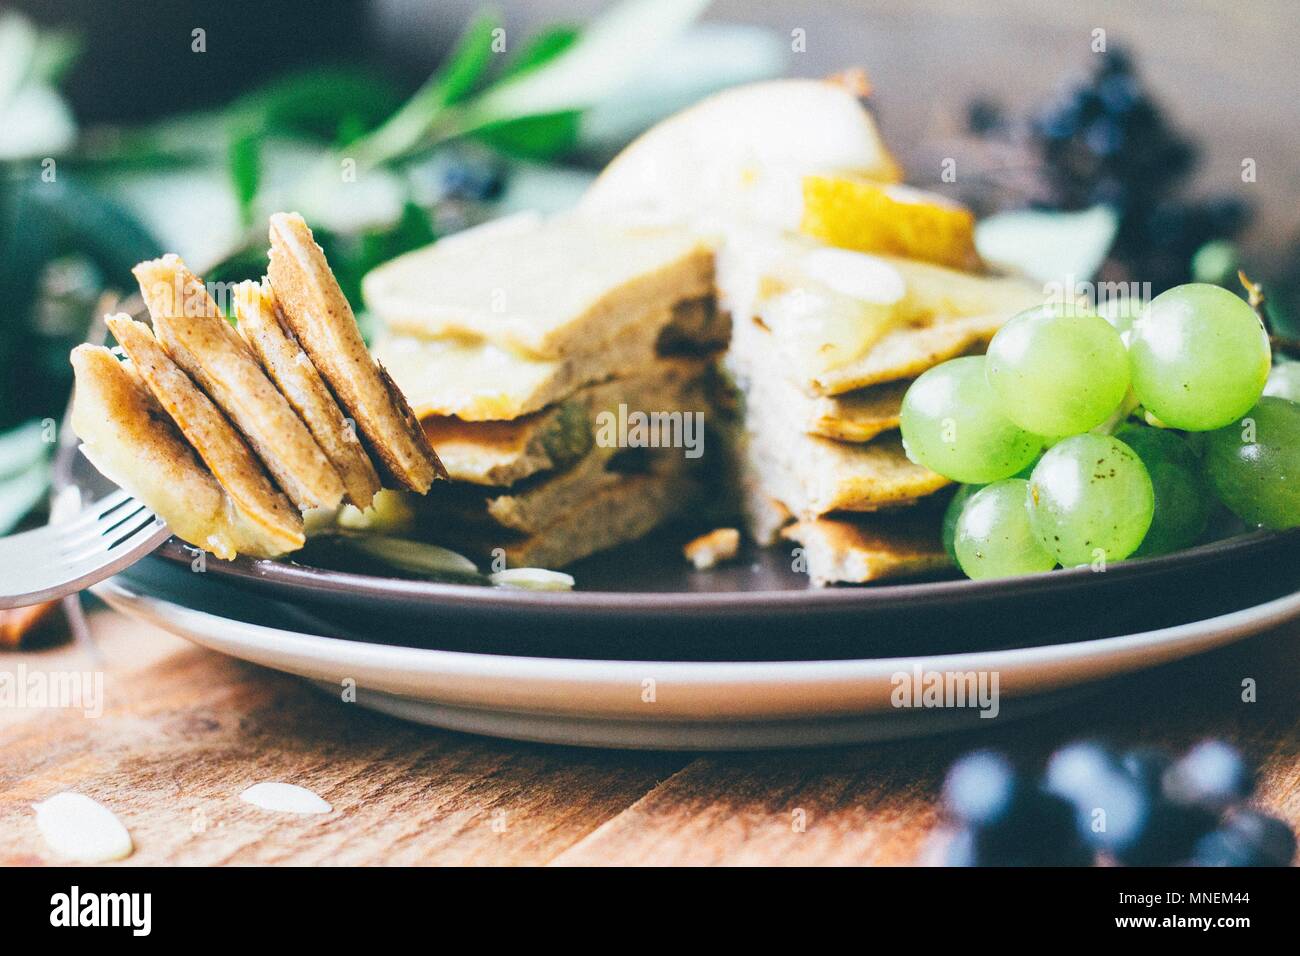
(67, 556)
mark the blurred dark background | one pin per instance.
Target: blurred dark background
(1223, 70)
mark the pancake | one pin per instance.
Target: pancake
(276, 525)
(128, 437)
(200, 340)
(906, 353)
(562, 286)
(300, 383)
(869, 548)
(477, 381)
(620, 513)
(857, 416)
(319, 316)
(534, 505)
(944, 313)
(503, 453)
(854, 416)
(812, 476)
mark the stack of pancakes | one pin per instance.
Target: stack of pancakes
(525, 348)
(229, 434)
(825, 343)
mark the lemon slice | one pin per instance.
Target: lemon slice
(854, 212)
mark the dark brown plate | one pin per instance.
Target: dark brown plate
(643, 601)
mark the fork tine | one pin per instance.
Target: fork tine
(115, 519)
(103, 542)
(123, 551)
(95, 512)
(77, 534)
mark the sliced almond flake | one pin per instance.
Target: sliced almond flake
(80, 829)
(533, 579)
(284, 798)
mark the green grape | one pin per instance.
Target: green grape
(1121, 313)
(1284, 381)
(951, 425)
(1058, 369)
(1254, 464)
(951, 514)
(1199, 357)
(1090, 498)
(994, 538)
(1183, 498)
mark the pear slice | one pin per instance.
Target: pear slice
(742, 154)
(200, 340)
(321, 319)
(853, 212)
(298, 380)
(129, 437)
(278, 524)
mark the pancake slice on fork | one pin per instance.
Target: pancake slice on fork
(200, 340)
(321, 319)
(296, 376)
(227, 456)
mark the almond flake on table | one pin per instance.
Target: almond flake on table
(284, 798)
(80, 829)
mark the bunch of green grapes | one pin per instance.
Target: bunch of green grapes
(1117, 402)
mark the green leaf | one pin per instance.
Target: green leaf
(21, 448)
(455, 81)
(245, 165)
(467, 63)
(316, 103)
(604, 57)
(1048, 246)
(541, 49)
(22, 493)
(56, 52)
(536, 137)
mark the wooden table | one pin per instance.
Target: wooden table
(185, 730)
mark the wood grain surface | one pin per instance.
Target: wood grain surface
(185, 730)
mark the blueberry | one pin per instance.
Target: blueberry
(1072, 769)
(1111, 811)
(1104, 137)
(1212, 775)
(1246, 838)
(1040, 833)
(473, 181)
(983, 117)
(1147, 766)
(963, 849)
(1119, 93)
(1006, 821)
(1168, 837)
(981, 789)
(1050, 833)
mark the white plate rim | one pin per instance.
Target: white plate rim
(683, 691)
